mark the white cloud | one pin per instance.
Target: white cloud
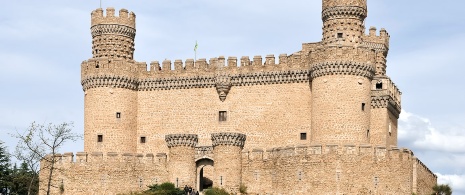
(456, 182)
(420, 133)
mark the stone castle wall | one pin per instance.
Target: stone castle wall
(317, 169)
(335, 169)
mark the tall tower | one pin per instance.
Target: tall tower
(341, 76)
(110, 84)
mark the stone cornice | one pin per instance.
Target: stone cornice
(344, 12)
(386, 102)
(189, 140)
(341, 68)
(115, 29)
(189, 82)
(109, 81)
(176, 83)
(228, 138)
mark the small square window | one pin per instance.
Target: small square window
(222, 116)
(379, 85)
(99, 138)
(142, 140)
(303, 136)
(118, 115)
(339, 35)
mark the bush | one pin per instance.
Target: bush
(166, 188)
(243, 189)
(216, 191)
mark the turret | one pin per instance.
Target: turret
(110, 84)
(343, 21)
(181, 164)
(227, 149)
(113, 36)
(341, 76)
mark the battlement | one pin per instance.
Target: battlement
(339, 3)
(377, 42)
(124, 18)
(109, 158)
(231, 64)
(384, 86)
(377, 152)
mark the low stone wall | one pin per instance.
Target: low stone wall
(99, 173)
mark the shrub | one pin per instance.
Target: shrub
(243, 189)
(216, 191)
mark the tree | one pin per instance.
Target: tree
(5, 172)
(442, 189)
(21, 180)
(30, 167)
(43, 142)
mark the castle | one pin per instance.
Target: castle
(322, 120)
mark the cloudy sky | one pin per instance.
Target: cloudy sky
(42, 44)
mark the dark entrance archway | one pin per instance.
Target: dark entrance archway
(204, 173)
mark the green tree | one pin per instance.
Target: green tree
(40, 140)
(21, 181)
(442, 189)
(5, 170)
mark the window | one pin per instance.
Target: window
(363, 106)
(222, 116)
(118, 115)
(379, 85)
(303, 136)
(142, 140)
(368, 134)
(339, 35)
(99, 138)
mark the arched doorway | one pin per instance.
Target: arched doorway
(205, 173)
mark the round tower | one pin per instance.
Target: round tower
(110, 84)
(113, 36)
(341, 77)
(227, 150)
(181, 162)
(343, 21)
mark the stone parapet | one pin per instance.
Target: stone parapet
(188, 140)
(125, 18)
(228, 138)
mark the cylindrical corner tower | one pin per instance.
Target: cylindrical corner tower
(341, 77)
(110, 84)
(343, 21)
(227, 150)
(181, 159)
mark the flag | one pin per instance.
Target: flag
(195, 47)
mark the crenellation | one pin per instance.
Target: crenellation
(245, 61)
(166, 65)
(270, 60)
(124, 18)
(178, 65)
(232, 62)
(257, 61)
(190, 65)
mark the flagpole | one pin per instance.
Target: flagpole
(100, 3)
(195, 52)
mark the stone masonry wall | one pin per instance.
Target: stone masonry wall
(332, 169)
(270, 115)
(109, 173)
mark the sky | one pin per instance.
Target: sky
(42, 44)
